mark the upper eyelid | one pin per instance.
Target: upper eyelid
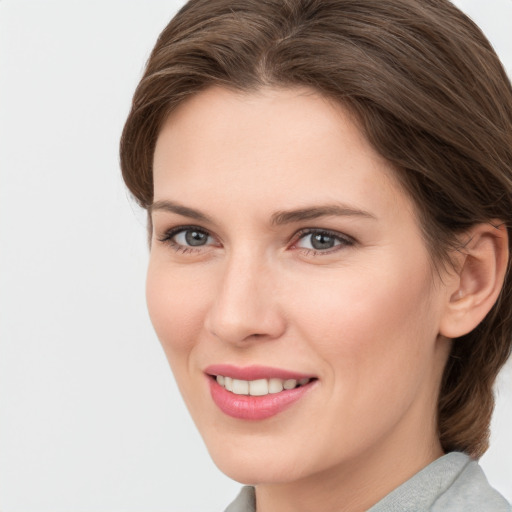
(297, 235)
(168, 234)
(308, 231)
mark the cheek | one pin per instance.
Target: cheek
(376, 337)
(176, 305)
(372, 323)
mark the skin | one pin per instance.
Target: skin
(364, 316)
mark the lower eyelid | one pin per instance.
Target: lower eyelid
(316, 252)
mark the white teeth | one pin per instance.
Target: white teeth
(259, 387)
(240, 387)
(289, 384)
(275, 385)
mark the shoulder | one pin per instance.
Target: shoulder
(452, 483)
(470, 492)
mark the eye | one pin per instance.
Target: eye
(191, 237)
(187, 238)
(319, 240)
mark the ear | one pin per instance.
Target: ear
(480, 271)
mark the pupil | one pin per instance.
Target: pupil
(195, 238)
(322, 241)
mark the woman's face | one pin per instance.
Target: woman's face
(283, 249)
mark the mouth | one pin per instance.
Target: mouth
(259, 387)
(256, 393)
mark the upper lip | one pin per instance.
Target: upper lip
(254, 372)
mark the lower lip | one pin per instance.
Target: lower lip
(246, 407)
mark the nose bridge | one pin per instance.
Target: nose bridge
(245, 305)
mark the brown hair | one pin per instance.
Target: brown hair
(430, 95)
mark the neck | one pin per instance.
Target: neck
(355, 485)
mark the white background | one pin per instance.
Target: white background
(90, 417)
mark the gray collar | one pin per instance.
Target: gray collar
(453, 483)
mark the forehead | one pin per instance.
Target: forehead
(288, 145)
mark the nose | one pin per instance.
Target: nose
(246, 307)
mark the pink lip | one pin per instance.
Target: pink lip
(254, 372)
(247, 407)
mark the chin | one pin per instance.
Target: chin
(256, 465)
(249, 472)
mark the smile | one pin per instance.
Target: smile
(256, 393)
(259, 387)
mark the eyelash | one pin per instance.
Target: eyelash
(344, 241)
(168, 238)
(341, 239)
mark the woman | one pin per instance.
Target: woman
(329, 195)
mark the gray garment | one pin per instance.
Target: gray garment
(453, 483)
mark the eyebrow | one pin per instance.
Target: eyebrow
(278, 218)
(185, 211)
(315, 212)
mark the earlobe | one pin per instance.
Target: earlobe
(479, 277)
